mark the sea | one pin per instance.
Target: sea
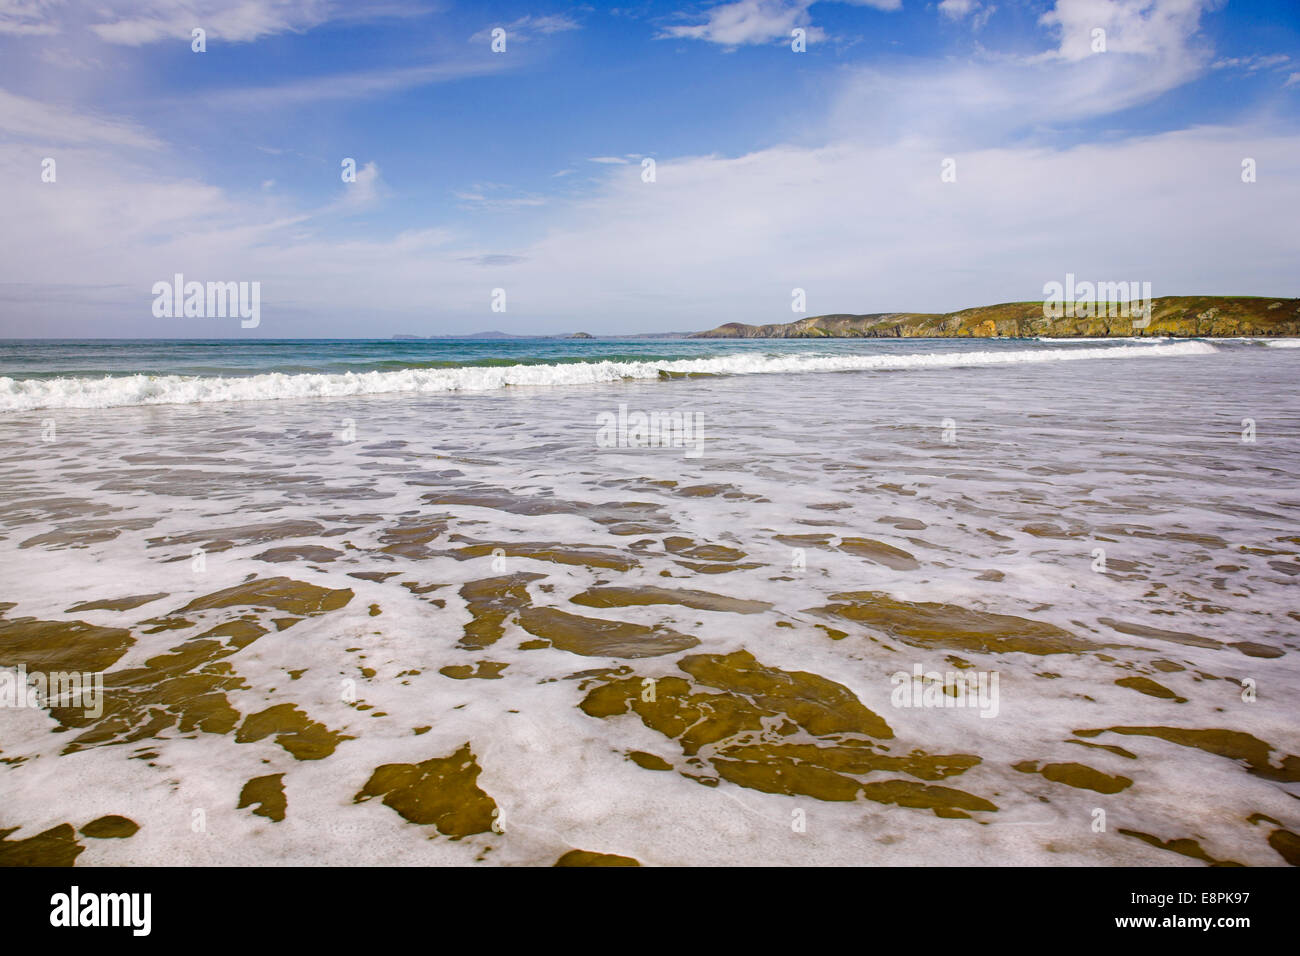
(663, 601)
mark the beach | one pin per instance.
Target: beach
(401, 603)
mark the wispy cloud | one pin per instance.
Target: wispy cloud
(529, 28)
(493, 260)
(365, 190)
(41, 122)
(1252, 64)
(27, 18)
(134, 23)
(722, 234)
(496, 196)
(1152, 47)
(956, 9)
(68, 59)
(130, 23)
(960, 9)
(350, 86)
(746, 22)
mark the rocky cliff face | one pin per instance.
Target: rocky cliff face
(1180, 316)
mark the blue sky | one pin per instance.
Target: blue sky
(522, 169)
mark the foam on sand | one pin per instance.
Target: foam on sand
(114, 391)
(457, 612)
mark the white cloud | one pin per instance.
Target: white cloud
(960, 9)
(27, 18)
(528, 28)
(135, 23)
(1152, 48)
(745, 22)
(350, 86)
(129, 23)
(863, 223)
(365, 190)
(862, 227)
(497, 197)
(42, 123)
(1252, 64)
(67, 59)
(1153, 28)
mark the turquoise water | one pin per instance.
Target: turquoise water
(21, 359)
(36, 358)
(116, 373)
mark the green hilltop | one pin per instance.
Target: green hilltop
(1171, 315)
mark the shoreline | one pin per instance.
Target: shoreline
(384, 621)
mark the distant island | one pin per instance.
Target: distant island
(1177, 316)
(475, 335)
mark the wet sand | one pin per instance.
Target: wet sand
(471, 635)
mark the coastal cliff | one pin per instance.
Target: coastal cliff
(1174, 315)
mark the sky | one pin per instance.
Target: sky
(915, 155)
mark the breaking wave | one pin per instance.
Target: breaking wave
(124, 390)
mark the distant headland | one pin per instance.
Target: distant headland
(1173, 316)
(1176, 316)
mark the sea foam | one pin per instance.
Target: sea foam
(114, 391)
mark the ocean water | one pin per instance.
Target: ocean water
(107, 373)
(419, 603)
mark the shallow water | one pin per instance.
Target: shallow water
(450, 626)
